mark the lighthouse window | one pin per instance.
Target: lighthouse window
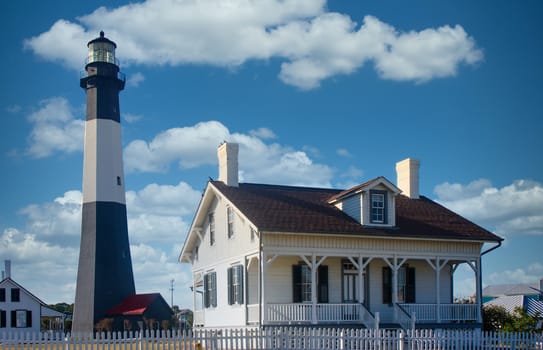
(118, 180)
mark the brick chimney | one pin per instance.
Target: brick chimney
(228, 163)
(407, 172)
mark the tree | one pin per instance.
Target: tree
(495, 318)
(522, 322)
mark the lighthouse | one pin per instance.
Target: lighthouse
(104, 275)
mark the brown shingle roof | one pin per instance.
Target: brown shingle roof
(306, 210)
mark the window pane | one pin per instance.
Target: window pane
(377, 207)
(21, 318)
(230, 214)
(211, 229)
(306, 283)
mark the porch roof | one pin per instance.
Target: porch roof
(292, 209)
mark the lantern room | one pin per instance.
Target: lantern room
(101, 50)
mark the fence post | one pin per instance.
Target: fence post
(401, 340)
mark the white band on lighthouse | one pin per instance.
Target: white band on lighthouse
(103, 181)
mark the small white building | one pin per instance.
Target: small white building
(377, 254)
(23, 312)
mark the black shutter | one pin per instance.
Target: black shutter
(13, 319)
(240, 279)
(2, 294)
(296, 283)
(387, 285)
(322, 278)
(206, 291)
(230, 287)
(2, 319)
(28, 318)
(410, 285)
(214, 294)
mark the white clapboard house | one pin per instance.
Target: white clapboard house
(21, 312)
(375, 255)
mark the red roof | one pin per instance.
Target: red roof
(307, 210)
(135, 304)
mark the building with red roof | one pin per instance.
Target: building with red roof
(140, 312)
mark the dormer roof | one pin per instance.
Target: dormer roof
(366, 186)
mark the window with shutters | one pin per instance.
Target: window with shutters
(2, 294)
(21, 318)
(301, 284)
(406, 285)
(235, 285)
(210, 290)
(3, 319)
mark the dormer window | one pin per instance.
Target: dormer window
(378, 213)
(370, 203)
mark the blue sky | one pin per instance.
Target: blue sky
(317, 93)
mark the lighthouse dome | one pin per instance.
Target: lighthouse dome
(102, 49)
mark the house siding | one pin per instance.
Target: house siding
(224, 248)
(352, 206)
(26, 302)
(223, 254)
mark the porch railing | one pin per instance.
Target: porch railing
(404, 318)
(286, 313)
(324, 313)
(445, 312)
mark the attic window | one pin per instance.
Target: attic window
(378, 214)
(211, 229)
(230, 214)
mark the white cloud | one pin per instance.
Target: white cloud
(342, 152)
(511, 210)
(43, 266)
(135, 79)
(263, 133)
(155, 213)
(132, 118)
(190, 146)
(58, 219)
(55, 129)
(312, 44)
(48, 246)
(197, 145)
(530, 274)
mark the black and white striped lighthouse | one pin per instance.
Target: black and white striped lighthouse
(104, 276)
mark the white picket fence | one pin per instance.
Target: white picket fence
(278, 338)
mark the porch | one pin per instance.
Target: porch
(406, 315)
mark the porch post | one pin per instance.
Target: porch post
(438, 291)
(245, 289)
(478, 289)
(194, 292)
(263, 269)
(360, 266)
(313, 289)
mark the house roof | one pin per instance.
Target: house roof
(9, 280)
(510, 302)
(511, 289)
(276, 208)
(364, 187)
(135, 304)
